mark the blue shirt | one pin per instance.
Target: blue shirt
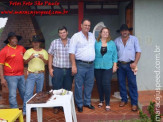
(106, 61)
(82, 48)
(127, 53)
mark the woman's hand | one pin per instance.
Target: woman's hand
(115, 67)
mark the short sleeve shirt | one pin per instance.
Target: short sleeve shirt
(60, 53)
(12, 59)
(36, 64)
(127, 53)
(82, 48)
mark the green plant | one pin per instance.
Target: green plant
(153, 115)
(143, 116)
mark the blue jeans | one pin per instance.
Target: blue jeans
(62, 78)
(30, 84)
(84, 77)
(103, 80)
(124, 71)
(15, 82)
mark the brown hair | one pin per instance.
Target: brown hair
(99, 36)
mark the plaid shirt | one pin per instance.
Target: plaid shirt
(60, 53)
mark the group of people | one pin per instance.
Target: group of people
(81, 58)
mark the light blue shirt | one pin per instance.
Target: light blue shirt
(106, 61)
(82, 48)
(127, 53)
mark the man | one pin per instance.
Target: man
(36, 58)
(128, 56)
(82, 55)
(59, 62)
(12, 68)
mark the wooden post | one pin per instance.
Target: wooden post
(80, 14)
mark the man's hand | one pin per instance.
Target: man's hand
(51, 72)
(74, 70)
(32, 56)
(3, 82)
(41, 56)
(133, 65)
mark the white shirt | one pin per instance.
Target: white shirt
(82, 48)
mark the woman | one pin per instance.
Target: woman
(105, 65)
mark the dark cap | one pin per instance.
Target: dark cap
(12, 34)
(124, 27)
(36, 38)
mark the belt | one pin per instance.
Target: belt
(60, 68)
(37, 72)
(123, 62)
(88, 62)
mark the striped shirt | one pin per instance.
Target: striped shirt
(60, 53)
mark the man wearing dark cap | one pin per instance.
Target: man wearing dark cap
(12, 68)
(36, 58)
(128, 56)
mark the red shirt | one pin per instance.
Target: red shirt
(12, 59)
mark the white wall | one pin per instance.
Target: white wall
(148, 27)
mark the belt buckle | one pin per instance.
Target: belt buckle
(36, 72)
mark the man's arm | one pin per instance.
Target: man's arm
(138, 53)
(3, 81)
(72, 59)
(30, 58)
(137, 57)
(50, 61)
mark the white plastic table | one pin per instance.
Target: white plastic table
(66, 101)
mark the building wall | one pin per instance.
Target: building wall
(49, 25)
(110, 21)
(18, 25)
(122, 8)
(148, 27)
(21, 25)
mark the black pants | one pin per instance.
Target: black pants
(103, 80)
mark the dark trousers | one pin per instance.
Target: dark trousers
(103, 80)
(124, 71)
(62, 78)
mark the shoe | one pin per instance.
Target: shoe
(107, 108)
(122, 104)
(134, 108)
(89, 106)
(56, 110)
(80, 109)
(100, 104)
